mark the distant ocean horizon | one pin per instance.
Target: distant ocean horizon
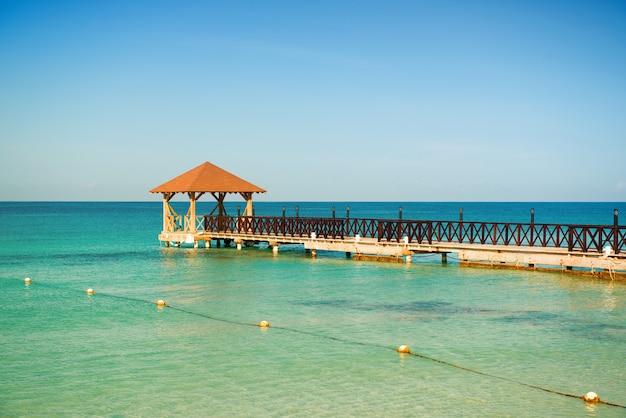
(335, 322)
(597, 213)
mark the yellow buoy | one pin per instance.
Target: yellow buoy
(90, 291)
(161, 303)
(27, 280)
(404, 349)
(591, 397)
(264, 324)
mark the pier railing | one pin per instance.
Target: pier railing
(276, 226)
(584, 238)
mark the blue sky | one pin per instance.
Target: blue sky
(322, 100)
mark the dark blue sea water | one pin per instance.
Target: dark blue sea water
(334, 322)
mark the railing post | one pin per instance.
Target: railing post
(460, 225)
(615, 231)
(347, 225)
(399, 225)
(430, 232)
(283, 221)
(506, 234)
(570, 238)
(342, 228)
(532, 228)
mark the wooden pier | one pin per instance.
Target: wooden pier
(591, 249)
(596, 249)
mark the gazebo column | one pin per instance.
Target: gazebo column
(221, 210)
(191, 213)
(167, 211)
(248, 198)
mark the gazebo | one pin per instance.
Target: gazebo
(205, 178)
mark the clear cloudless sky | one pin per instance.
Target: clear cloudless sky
(341, 100)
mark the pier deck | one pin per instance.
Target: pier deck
(596, 249)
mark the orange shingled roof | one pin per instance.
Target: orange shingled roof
(207, 178)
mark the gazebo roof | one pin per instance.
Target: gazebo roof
(207, 178)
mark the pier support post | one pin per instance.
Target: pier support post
(408, 258)
(314, 253)
(444, 258)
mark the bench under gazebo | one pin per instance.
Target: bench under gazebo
(204, 179)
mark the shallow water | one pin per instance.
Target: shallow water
(334, 326)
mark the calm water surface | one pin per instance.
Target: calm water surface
(335, 322)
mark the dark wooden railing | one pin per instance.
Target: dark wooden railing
(584, 238)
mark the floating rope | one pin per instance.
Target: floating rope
(264, 324)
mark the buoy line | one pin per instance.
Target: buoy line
(403, 349)
(589, 397)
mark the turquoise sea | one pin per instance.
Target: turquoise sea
(488, 343)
